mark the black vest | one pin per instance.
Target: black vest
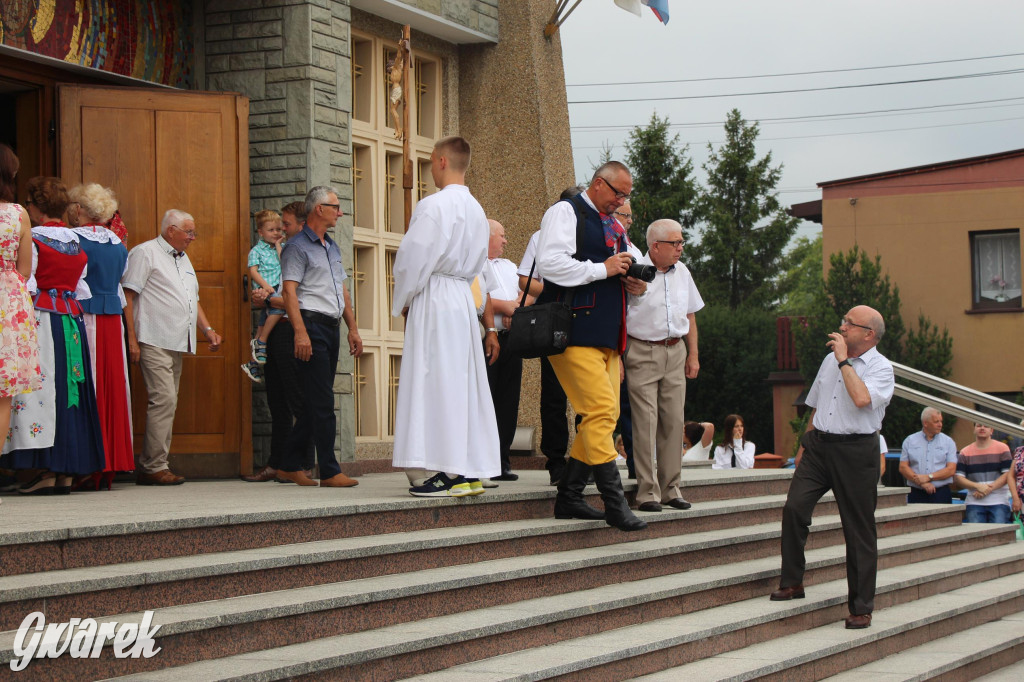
(598, 308)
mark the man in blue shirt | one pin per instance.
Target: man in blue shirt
(315, 297)
(928, 461)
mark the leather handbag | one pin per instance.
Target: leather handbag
(538, 330)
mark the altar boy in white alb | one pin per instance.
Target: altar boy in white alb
(445, 418)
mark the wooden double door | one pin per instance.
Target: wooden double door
(162, 149)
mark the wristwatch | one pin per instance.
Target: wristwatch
(845, 363)
(930, 477)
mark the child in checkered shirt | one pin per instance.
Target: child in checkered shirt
(265, 272)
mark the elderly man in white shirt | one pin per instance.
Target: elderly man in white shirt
(661, 356)
(163, 308)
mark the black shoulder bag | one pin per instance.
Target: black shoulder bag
(540, 330)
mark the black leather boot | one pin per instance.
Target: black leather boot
(616, 510)
(569, 504)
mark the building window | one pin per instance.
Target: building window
(379, 215)
(995, 265)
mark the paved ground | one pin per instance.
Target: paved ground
(225, 500)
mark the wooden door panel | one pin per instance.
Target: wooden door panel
(123, 161)
(163, 149)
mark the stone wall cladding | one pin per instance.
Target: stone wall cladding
(291, 59)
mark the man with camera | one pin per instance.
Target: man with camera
(588, 271)
(658, 363)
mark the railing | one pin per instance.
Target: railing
(949, 407)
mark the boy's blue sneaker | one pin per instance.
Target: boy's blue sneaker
(253, 371)
(259, 351)
(475, 486)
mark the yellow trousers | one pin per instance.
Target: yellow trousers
(590, 378)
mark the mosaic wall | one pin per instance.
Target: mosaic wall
(146, 39)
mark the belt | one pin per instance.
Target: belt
(663, 342)
(320, 318)
(843, 437)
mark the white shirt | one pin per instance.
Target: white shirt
(501, 282)
(697, 453)
(834, 408)
(662, 313)
(528, 258)
(557, 244)
(744, 455)
(168, 296)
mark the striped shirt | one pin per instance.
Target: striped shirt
(984, 466)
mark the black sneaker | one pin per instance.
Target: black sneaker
(440, 485)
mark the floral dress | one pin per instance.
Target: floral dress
(19, 347)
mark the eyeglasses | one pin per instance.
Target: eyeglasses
(336, 207)
(854, 324)
(191, 234)
(675, 244)
(627, 216)
(618, 194)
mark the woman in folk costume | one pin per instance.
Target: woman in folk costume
(91, 207)
(57, 436)
(445, 417)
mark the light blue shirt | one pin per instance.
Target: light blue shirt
(317, 268)
(928, 456)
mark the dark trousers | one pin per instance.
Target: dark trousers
(554, 428)
(317, 419)
(850, 470)
(505, 378)
(941, 495)
(284, 394)
(625, 426)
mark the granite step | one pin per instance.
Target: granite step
(108, 589)
(571, 636)
(288, 616)
(1011, 673)
(966, 655)
(60, 532)
(825, 650)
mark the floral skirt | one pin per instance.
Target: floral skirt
(77, 441)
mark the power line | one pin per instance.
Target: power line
(809, 117)
(796, 73)
(935, 79)
(858, 132)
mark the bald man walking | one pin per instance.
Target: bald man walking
(839, 452)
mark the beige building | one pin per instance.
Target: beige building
(949, 235)
(227, 107)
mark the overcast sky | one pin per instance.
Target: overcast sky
(728, 38)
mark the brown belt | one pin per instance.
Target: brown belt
(663, 342)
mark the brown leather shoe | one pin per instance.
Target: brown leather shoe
(264, 474)
(338, 481)
(787, 593)
(299, 477)
(858, 622)
(165, 477)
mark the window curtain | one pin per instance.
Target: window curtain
(997, 266)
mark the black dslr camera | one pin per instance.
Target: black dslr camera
(644, 273)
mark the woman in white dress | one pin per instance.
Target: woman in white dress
(735, 452)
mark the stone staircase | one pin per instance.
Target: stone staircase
(269, 581)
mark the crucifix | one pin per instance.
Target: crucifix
(398, 77)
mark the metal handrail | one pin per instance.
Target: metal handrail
(959, 391)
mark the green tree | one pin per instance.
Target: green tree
(856, 279)
(802, 280)
(733, 369)
(663, 184)
(744, 229)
